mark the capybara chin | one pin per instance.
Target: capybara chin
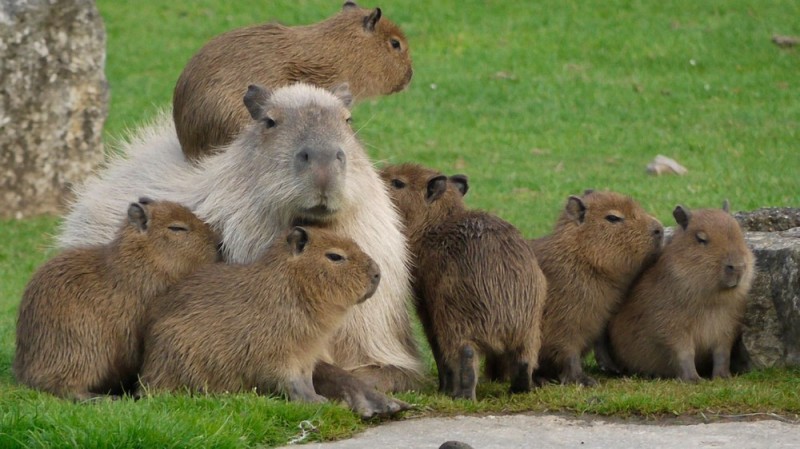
(600, 244)
(356, 46)
(262, 326)
(477, 284)
(80, 319)
(298, 161)
(684, 313)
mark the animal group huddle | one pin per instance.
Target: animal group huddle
(251, 244)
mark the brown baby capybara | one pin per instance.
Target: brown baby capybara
(477, 285)
(600, 244)
(262, 326)
(80, 320)
(356, 46)
(685, 311)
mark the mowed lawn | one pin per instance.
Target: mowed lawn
(533, 101)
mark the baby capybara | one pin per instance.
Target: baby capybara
(685, 311)
(79, 326)
(477, 284)
(263, 325)
(600, 244)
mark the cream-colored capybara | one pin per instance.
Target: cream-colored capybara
(600, 244)
(261, 326)
(685, 311)
(80, 320)
(298, 161)
(477, 284)
(357, 46)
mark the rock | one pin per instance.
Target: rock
(769, 219)
(771, 328)
(455, 445)
(53, 101)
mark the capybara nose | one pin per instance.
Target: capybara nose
(733, 274)
(374, 273)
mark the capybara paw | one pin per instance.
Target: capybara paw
(371, 403)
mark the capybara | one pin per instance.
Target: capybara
(356, 46)
(477, 284)
(298, 162)
(260, 326)
(81, 316)
(601, 243)
(685, 311)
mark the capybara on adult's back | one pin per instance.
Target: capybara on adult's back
(78, 332)
(685, 311)
(357, 46)
(260, 326)
(477, 284)
(601, 242)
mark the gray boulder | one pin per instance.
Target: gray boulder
(769, 219)
(53, 101)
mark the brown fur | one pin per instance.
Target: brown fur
(78, 333)
(477, 284)
(686, 310)
(601, 242)
(262, 326)
(355, 46)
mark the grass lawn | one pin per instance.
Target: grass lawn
(534, 102)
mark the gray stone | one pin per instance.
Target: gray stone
(53, 101)
(771, 328)
(769, 219)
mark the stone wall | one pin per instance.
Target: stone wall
(53, 101)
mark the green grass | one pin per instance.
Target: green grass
(534, 102)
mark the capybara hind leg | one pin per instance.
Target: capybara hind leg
(496, 367)
(300, 389)
(521, 373)
(722, 362)
(572, 372)
(687, 370)
(602, 355)
(335, 383)
(387, 378)
(467, 373)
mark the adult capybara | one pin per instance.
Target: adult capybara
(600, 244)
(685, 311)
(297, 162)
(477, 284)
(262, 326)
(357, 46)
(79, 327)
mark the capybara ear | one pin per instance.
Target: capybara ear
(726, 206)
(682, 216)
(588, 191)
(461, 183)
(349, 4)
(436, 187)
(145, 200)
(576, 209)
(372, 19)
(255, 99)
(342, 91)
(297, 239)
(137, 216)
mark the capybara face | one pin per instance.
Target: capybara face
(390, 61)
(423, 196)
(613, 230)
(334, 266)
(303, 131)
(171, 236)
(712, 245)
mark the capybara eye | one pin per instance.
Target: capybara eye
(702, 237)
(613, 218)
(398, 184)
(349, 120)
(269, 122)
(395, 44)
(334, 257)
(178, 228)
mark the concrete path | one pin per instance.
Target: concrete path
(545, 432)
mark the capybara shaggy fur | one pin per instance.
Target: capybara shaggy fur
(685, 311)
(261, 326)
(356, 46)
(80, 320)
(477, 284)
(600, 244)
(298, 162)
